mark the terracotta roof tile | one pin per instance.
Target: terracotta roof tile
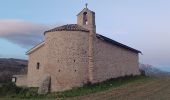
(68, 27)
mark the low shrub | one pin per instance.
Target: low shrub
(142, 72)
(8, 89)
(11, 90)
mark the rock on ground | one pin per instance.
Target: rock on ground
(45, 85)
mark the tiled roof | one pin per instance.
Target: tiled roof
(68, 27)
(116, 43)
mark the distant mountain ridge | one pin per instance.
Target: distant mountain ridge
(11, 66)
(153, 71)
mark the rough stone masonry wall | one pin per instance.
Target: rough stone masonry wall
(111, 61)
(67, 59)
(35, 75)
(21, 80)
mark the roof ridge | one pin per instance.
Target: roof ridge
(104, 38)
(34, 48)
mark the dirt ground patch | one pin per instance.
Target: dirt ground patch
(157, 89)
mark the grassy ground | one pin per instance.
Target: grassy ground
(129, 88)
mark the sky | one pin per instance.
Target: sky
(141, 24)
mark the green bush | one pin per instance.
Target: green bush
(11, 90)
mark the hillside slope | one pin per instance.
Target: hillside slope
(9, 67)
(156, 89)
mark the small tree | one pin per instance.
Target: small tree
(142, 72)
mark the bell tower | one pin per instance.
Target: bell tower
(86, 18)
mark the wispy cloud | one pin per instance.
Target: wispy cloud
(23, 33)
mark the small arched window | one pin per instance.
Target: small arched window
(38, 65)
(85, 21)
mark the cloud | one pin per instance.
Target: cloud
(25, 34)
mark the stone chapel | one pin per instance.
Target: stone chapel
(75, 54)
